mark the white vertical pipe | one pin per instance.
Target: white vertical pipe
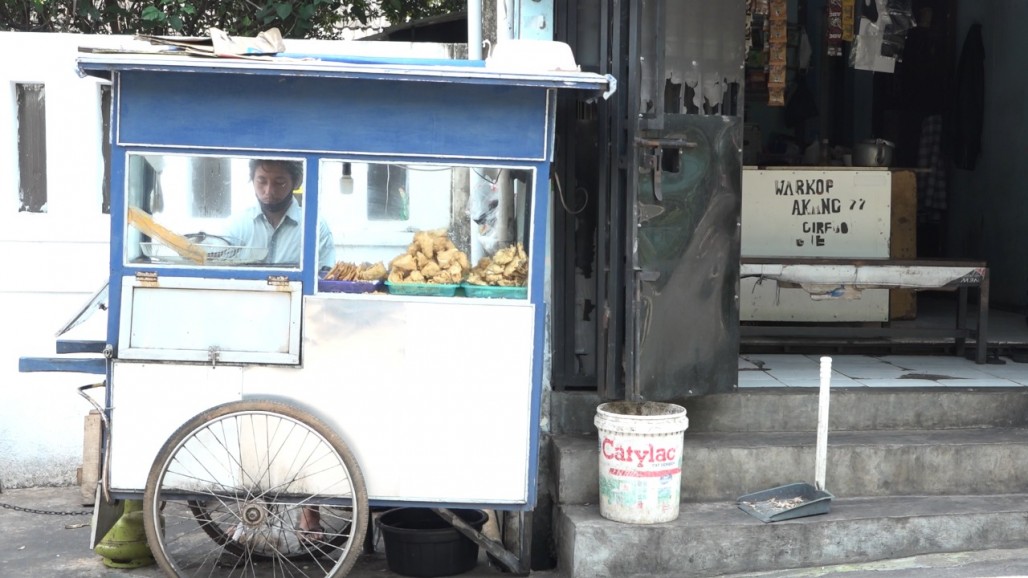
(474, 29)
(821, 455)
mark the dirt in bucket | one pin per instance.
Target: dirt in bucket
(644, 408)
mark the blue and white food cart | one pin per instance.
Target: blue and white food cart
(241, 396)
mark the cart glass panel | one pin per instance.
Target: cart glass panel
(427, 229)
(215, 211)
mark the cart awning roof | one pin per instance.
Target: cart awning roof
(352, 67)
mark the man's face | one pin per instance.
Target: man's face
(272, 184)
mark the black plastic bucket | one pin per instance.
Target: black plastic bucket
(420, 543)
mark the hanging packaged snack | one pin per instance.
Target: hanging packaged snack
(775, 95)
(778, 54)
(748, 28)
(779, 11)
(834, 39)
(766, 48)
(776, 76)
(849, 8)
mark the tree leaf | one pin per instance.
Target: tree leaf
(152, 14)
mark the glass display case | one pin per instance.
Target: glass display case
(407, 228)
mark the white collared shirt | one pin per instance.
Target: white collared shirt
(252, 229)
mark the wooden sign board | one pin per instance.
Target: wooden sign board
(816, 213)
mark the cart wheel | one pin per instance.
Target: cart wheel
(226, 494)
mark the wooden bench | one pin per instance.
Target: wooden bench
(829, 278)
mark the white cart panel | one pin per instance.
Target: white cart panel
(433, 395)
(151, 401)
(188, 319)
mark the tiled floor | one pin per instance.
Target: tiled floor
(790, 370)
(1008, 332)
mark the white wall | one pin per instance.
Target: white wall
(55, 260)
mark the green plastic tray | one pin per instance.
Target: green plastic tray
(430, 289)
(493, 292)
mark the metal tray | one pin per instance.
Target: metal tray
(786, 502)
(217, 254)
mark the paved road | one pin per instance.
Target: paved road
(45, 546)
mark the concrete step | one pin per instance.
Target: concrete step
(851, 409)
(1008, 562)
(724, 466)
(716, 538)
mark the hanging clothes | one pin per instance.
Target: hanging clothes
(969, 102)
(931, 184)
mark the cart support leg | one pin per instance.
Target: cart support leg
(525, 543)
(520, 565)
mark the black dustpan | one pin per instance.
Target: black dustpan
(786, 502)
(799, 499)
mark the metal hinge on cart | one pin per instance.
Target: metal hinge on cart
(147, 278)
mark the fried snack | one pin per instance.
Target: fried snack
(342, 271)
(442, 242)
(431, 269)
(425, 243)
(507, 268)
(376, 272)
(444, 258)
(404, 262)
(422, 260)
(346, 271)
(431, 257)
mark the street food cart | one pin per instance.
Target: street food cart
(246, 396)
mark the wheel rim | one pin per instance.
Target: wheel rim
(230, 494)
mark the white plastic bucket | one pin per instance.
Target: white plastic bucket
(640, 460)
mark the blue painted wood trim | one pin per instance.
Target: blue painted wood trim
(97, 366)
(119, 185)
(311, 197)
(336, 67)
(80, 346)
(245, 112)
(386, 61)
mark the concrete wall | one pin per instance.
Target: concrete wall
(989, 213)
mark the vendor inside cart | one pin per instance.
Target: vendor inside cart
(219, 211)
(275, 223)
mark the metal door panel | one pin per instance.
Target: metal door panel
(685, 197)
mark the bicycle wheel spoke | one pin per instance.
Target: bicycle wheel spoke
(240, 485)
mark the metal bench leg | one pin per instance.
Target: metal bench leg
(981, 335)
(961, 320)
